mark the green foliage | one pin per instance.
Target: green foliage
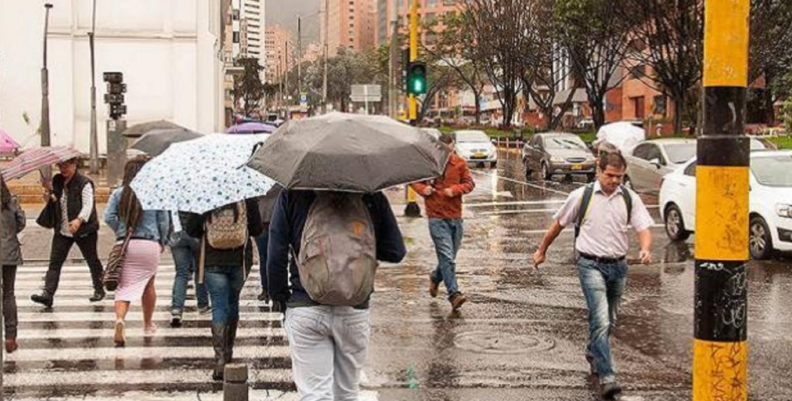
(786, 115)
(782, 142)
(248, 86)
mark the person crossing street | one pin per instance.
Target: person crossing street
(602, 213)
(444, 208)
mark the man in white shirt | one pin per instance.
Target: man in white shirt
(602, 213)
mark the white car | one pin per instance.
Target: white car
(476, 147)
(770, 202)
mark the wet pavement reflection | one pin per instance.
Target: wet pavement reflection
(522, 334)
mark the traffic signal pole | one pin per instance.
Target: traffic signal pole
(413, 209)
(720, 356)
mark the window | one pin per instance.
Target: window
(660, 105)
(691, 170)
(638, 104)
(642, 151)
(649, 152)
(236, 37)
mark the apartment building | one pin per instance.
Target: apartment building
(279, 49)
(352, 24)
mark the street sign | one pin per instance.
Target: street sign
(366, 93)
(304, 101)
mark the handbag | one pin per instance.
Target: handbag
(48, 218)
(115, 263)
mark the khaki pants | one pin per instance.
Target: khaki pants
(328, 347)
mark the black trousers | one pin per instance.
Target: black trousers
(9, 302)
(61, 246)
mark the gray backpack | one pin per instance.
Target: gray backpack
(338, 260)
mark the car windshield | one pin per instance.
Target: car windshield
(564, 142)
(471, 136)
(679, 153)
(773, 171)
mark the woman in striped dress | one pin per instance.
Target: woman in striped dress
(149, 235)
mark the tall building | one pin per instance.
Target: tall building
(429, 11)
(352, 24)
(279, 51)
(253, 13)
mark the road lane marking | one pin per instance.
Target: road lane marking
(490, 204)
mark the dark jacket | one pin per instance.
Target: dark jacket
(13, 223)
(194, 225)
(286, 229)
(74, 192)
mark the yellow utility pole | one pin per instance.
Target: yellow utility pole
(413, 209)
(720, 355)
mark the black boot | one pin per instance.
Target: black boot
(219, 338)
(97, 296)
(230, 338)
(45, 299)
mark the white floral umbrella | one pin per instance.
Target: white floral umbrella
(202, 174)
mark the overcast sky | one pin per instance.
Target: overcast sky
(285, 13)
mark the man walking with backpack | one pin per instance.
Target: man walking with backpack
(602, 213)
(444, 208)
(334, 240)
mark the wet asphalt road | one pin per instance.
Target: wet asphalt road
(522, 334)
(520, 337)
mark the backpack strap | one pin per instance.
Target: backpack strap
(627, 202)
(585, 205)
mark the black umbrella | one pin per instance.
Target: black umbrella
(349, 152)
(141, 129)
(157, 141)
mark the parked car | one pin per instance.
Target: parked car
(475, 147)
(770, 202)
(649, 161)
(558, 153)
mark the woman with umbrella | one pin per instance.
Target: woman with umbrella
(13, 223)
(225, 269)
(148, 233)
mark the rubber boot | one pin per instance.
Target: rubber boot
(230, 338)
(219, 338)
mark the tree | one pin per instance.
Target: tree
(344, 70)
(597, 44)
(499, 28)
(439, 79)
(668, 37)
(546, 64)
(248, 87)
(771, 47)
(456, 49)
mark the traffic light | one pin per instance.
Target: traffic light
(416, 78)
(115, 94)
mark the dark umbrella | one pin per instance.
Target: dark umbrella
(138, 130)
(349, 152)
(251, 128)
(157, 141)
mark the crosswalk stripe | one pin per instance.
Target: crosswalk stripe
(110, 316)
(245, 351)
(190, 395)
(183, 332)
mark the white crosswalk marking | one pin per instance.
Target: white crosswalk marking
(67, 352)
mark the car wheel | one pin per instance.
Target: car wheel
(493, 164)
(591, 177)
(675, 225)
(761, 241)
(546, 175)
(528, 172)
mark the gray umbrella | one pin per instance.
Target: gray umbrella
(348, 152)
(138, 130)
(157, 141)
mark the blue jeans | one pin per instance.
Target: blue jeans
(185, 256)
(261, 242)
(224, 284)
(603, 286)
(447, 237)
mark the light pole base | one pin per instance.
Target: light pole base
(412, 210)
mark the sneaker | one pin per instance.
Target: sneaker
(457, 300)
(97, 296)
(264, 296)
(44, 299)
(202, 310)
(433, 288)
(176, 319)
(11, 345)
(610, 390)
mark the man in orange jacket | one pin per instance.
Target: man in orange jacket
(444, 207)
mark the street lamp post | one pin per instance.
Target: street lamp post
(94, 131)
(46, 174)
(326, 38)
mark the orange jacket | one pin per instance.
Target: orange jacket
(457, 177)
